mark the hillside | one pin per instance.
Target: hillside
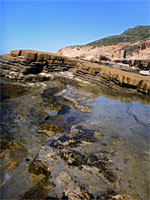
(131, 35)
(132, 44)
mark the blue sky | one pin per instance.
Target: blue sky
(51, 25)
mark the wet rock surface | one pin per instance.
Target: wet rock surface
(65, 140)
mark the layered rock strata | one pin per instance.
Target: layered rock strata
(99, 73)
(28, 65)
(138, 64)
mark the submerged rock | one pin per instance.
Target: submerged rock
(77, 191)
(65, 150)
(59, 158)
(37, 167)
(63, 178)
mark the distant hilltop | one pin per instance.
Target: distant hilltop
(133, 43)
(131, 35)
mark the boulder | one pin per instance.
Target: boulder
(104, 58)
(37, 167)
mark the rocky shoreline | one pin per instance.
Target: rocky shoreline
(32, 66)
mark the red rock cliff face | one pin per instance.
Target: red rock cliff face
(144, 45)
(129, 50)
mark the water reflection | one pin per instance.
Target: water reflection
(113, 133)
(125, 97)
(8, 91)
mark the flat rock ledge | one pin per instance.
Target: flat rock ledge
(30, 65)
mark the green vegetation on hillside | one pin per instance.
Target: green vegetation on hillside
(131, 35)
(130, 49)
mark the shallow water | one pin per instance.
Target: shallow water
(32, 116)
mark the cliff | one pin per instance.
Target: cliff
(129, 50)
(132, 44)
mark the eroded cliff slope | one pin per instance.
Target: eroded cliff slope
(132, 44)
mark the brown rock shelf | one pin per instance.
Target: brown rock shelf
(27, 62)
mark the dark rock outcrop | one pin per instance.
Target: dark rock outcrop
(104, 58)
(140, 64)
